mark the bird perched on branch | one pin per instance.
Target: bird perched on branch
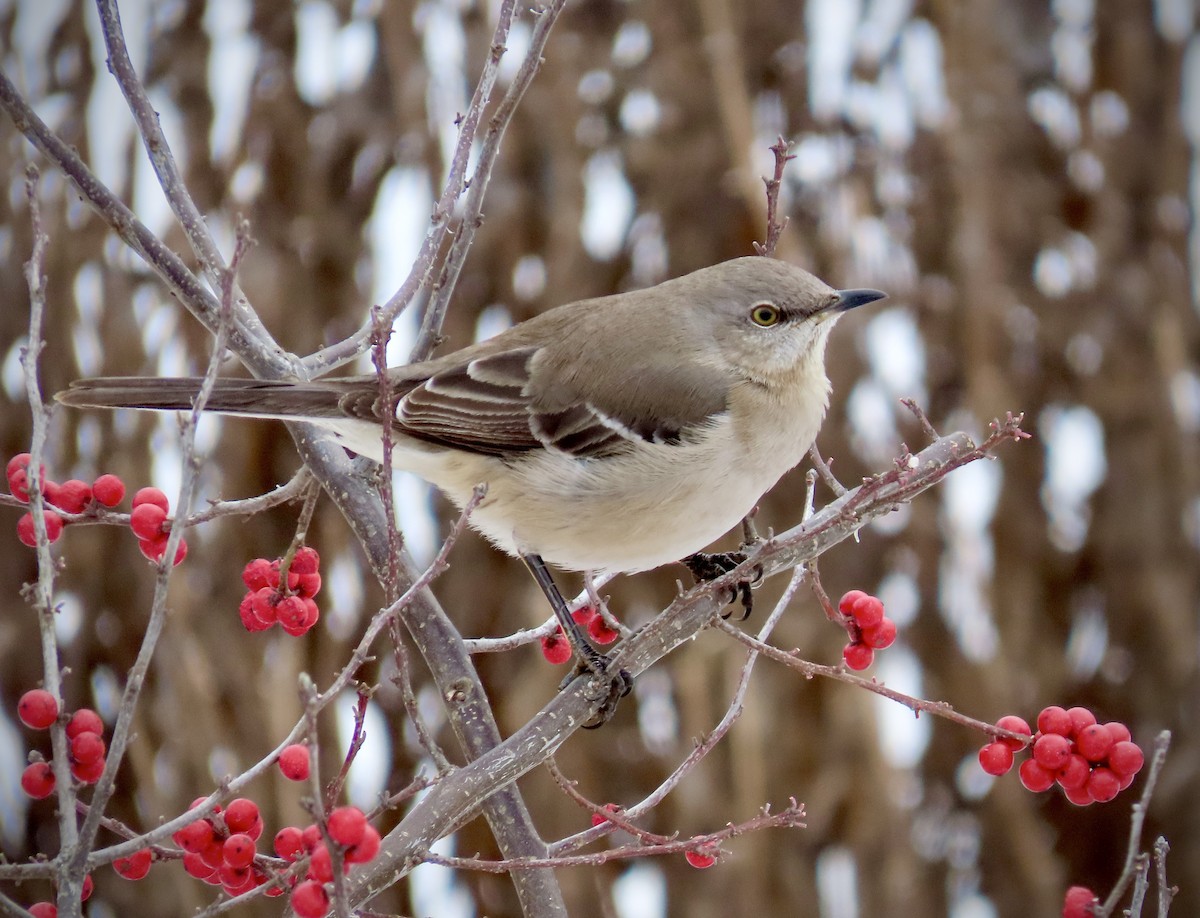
(614, 434)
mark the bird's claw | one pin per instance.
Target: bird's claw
(705, 567)
(616, 686)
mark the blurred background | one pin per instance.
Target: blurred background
(1022, 177)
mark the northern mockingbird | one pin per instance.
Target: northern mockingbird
(614, 434)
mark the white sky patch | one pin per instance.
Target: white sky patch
(1075, 467)
(436, 890)
(903, 738)
(444, 45)
(1088, 641)
(830, 26)
(149, 201)
(1189, 111)
(1054, 112)
(896, 353)
(330, 58)
(33, 30)
(893, 115)
(881, 26)
(972, 782)
(395, 231)
(877, 256)
(343, 595)
(972, 905)
(1071, 43)
(1109, 114)
(1069, 266)
(872, 418)
(1175, 19)
(110, 128)
(231, 65)
(369, 772)
(922, 70)
(519, 36)
(837, 883)
(631, 44)
(529, 277)
(608, 206)
(88, 292)
(415, 516)
(640, 112)
(969, 499)
(13, 802)
(641, 891)
(821, 158)
(1185, 399)
(492, 320)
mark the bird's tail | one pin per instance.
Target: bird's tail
(258, 398)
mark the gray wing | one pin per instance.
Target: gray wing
(515, 401)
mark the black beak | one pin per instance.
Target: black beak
(849, 299)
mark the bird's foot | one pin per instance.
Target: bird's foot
(616, 684)
(706, 567)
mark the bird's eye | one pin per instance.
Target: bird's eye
(764, 315)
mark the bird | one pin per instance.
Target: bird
(614, 434)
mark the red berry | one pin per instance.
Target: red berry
(846, 603)
(291, 612)
(1078, 796)
(85, 720)
(868, 612)
(1052, 750)
(88, 772)
(294, 762)
(881, 635)
(1035, 777)
(1118, 731)
(312, 838)
(147, 520)
(367, 847)
(306, 561)
(136, 866)
(250, 621)
(43, 910)
(1080, 718)
(87, 748)
(309, 900)
(154, 549)
(88, 886)
(1094, 742)
(309, 585)
(27, 534)
(321, 866)
(197, 867)
(1103, 784)
(234, 878)
(599, 819)
(1013, 724)
(214, 854)
(18, 484)
(1077, 901)
(996, 758)
(583, 616)
(241, 814)
(1054, 720)
(346, 825)
(858, 656)
(37, 709)
(256, 829)
(257, 574)
(1074, 772)
(73, 496)
(289, 842)
(599, 631)
(151, 496)
(1126, 759)
(194, 837)
(37, 780)
(698, 860)
(556, 648)
(239, 850)
(109, 490)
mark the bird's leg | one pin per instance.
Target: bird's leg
(590, 659)
(705, 567)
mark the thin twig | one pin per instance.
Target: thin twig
(775, 226)
(918, 412)
(402, 679)
(1166, 892)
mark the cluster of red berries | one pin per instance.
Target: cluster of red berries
(220, 848)
(266, 602)
(148, 520)
(1078, 901)
(348, 828)
(1090, 761)
(874, 630)
(38, 709)
(557, 649)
